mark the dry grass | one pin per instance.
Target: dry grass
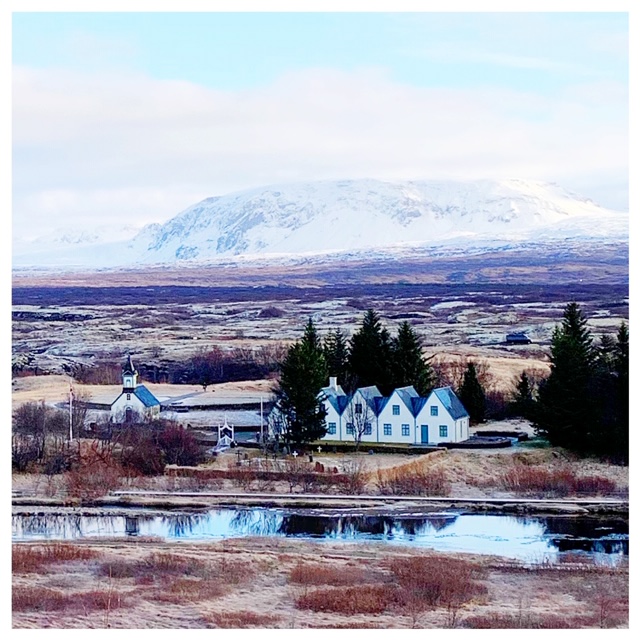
(243, 620)
(364, 599)
(530, 621)
(286, 583)
(445, 582)
(530, 480)
(37, 559)
(34, 599)
(412, 480)
(322, 574)
(189, 590)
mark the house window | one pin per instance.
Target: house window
(405, 430)
(350, 428)
(367, 428)
(396, 409)
(332, 428)
(128, 396)
(434, 411)
(387, 429)
(358, 407)
(443, 431)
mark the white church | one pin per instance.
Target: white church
(403, 417)
(135, 401)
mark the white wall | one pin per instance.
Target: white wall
(121, 404)
(405, 417)
(435, 422)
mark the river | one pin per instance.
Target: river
(526, 538)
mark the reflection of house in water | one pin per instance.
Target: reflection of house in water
(297, 524)
(131, 526)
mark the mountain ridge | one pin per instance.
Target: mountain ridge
(355, 216)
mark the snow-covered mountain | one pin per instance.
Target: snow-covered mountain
(360, 216)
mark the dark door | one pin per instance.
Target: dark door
(424, 433)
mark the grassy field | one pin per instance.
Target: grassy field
(267, 583)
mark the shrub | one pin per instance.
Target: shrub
(92, 478)
(43, 599)
(368, 598)
(412, 480)
(317, 574)
(35, 559)
(179, 446)
(242, 620)
(426, 582)
(532, 480)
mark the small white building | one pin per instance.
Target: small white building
(135, 401)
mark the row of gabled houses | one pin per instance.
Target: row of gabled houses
(403, 417)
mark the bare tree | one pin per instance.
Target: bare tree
(450, 371)
(79, 412)
(41, 425)
(360, 419)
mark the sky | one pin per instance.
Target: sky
(129, 118)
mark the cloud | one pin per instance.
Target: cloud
(132, 148)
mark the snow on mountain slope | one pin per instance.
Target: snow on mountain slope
(350, 215)
(356, 215)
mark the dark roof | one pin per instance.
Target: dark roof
(370, 395)
(128, 367)
(379, 403)
(406, 395)
(417, 404)
(336, 397)
(451, 402)
(145, 396)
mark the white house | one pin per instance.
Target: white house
(442, 418)
(335, 403)
(396, 420)
(360, 415)
(135, 399)
(404, 417)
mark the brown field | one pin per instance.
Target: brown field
(266, 583)
(58, 325)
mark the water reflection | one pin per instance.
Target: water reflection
(515, 537)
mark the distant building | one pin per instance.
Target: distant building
(404, 417)
(518, 338)
(135, 400)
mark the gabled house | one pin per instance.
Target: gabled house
(396, 420)
(360, 415)
(335, 403)
(135, 400)
(404, 417)
(442, 418)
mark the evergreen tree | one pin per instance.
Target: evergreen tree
(472, 394)
(523, 403)
(303, 374)
(370, 354)
(336, 353)
(567, 413)
(620, 430)
(408, 364)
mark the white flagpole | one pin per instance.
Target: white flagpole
(261, 424)
(70, 409)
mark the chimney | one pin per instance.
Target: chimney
(333, 383)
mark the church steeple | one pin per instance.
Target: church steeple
(129, 376)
